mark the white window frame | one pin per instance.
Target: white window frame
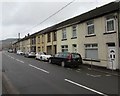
(38, 40)
(89, 25)
(107, 20)
(74, 31)
(64, 34)
(65, 48)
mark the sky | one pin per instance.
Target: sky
(25, 16)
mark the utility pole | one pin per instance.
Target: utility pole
(18, 41)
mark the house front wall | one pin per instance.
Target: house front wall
(40, 45)
(68, 40)
(99, 38)
(50, 46)
(27, 43)
(21, 45)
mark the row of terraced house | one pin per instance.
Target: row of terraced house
(94, 34)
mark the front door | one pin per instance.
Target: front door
(111, 58)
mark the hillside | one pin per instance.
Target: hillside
(6, 44)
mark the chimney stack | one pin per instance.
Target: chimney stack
(19, 36)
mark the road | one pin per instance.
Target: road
(30, 76)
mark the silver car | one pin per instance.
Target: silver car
(30, 54)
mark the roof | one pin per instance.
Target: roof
(100, 11)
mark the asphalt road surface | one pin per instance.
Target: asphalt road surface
(30, 76)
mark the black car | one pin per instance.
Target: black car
(66, 59)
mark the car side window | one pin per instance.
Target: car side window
(56, 55)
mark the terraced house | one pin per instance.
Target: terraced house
(93, 34)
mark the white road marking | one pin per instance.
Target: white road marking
(19, 60)
(85, 87)
(93, 75)
(69, 68)
(12, 57)
(8, 55)
(38, 68)
(107, 75)
(77, 71)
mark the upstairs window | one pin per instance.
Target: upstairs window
(90, 27)
(49, 37)
(74, 31)
(38, 40)
(33, 41)
(42, 38)
(64, 33)
(110, 24)
(54, 36)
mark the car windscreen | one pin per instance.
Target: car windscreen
(75, 55)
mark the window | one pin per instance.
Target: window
(110, 25)
(38, 40)
(64, 34)
(74, 29)
(42, 38)
(91, 51)
(90, 27)
(54, 36)
(48, 37)
(64, 48)
(33, 41)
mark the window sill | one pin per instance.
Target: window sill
(74, 38)
(109, 33)
(90, 35)
(63, 39)
(86, 59)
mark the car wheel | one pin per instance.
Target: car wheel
(50, 61)
(63, 64)
(40, 58)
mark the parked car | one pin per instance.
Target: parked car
(19, 52)
(42, 56)
(66, 59)
(10, 51)
(30, 54)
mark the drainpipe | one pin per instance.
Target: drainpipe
(118, 33)
(52, 44)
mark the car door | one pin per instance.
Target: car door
(57, 58)
(76, 58)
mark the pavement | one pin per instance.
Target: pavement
(102, 70)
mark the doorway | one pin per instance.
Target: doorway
(111, 58)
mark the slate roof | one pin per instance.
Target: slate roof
(100, 11)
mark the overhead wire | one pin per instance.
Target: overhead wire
(50, 16)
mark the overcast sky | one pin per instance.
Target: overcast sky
(21, 16)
